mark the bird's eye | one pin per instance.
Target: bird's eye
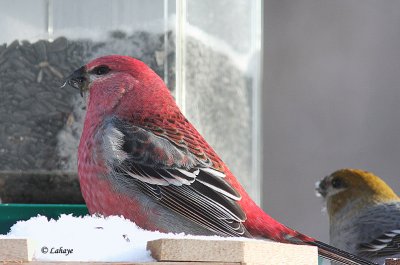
(337, 183)
(101, 70)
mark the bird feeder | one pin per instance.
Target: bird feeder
(207, 52)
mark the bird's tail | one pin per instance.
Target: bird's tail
(324, 250)
(276, 231)
(336, 254)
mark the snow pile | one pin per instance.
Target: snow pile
(90, 238)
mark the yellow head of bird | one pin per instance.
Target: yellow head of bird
(353, 187)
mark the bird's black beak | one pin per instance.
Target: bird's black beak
(321, 188)
(78, 79)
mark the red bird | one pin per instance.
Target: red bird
(139, 157)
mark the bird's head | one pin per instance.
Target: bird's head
(117, 80)
(353, 188)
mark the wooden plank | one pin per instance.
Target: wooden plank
(122, 263)
(249, 252)
(186, 251)
(392, 261)
(16, 250)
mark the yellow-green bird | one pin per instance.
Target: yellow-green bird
(364, 214)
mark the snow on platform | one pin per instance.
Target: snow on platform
(90, 238)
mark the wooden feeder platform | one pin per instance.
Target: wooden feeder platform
(185, 251)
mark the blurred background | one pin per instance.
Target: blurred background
(286, 91)
(330, 100)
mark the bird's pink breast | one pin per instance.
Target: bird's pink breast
(100, 197)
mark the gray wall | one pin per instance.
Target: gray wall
(330, 100)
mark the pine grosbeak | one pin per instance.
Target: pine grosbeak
(364, 214)
(141, 158)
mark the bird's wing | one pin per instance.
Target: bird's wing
(379, 230)
(175, 177)
(386, 245)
